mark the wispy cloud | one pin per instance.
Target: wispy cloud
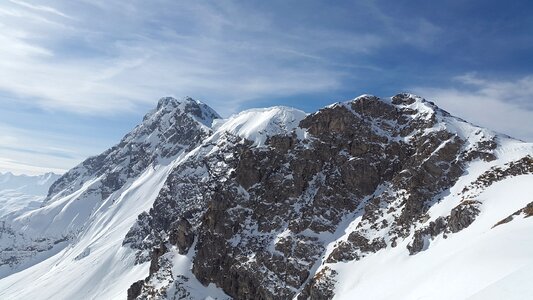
(31, 152)
(108, 59)
(502, 105)
(146, 61)
(517, 92)
(105, 58)
(40, 8)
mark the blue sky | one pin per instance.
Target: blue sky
(75, 76)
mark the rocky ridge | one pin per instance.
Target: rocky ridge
(174, 127)
(262, 221)
(270, 203)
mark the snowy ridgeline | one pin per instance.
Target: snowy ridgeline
(369, 198)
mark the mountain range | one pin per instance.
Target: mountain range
(371, 198)
(23, 192)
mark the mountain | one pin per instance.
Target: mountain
(91, 191)
(369, 198)
(23, 192)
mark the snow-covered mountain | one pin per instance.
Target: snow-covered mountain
(369, 198)
(23, 192)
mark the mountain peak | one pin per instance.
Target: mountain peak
(258, 124)
(401, 99)
(366, 96)
(282, 198)
(198, 110)
(167, 102)
(406, 98)
(173, 127)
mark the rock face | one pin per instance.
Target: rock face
(172, 127)
(268, 203)
(526, 211)
(256, 218)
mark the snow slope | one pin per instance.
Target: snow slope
(258, 124)
(78, 232)
(76, 197)
(101, 267)
(478, 262)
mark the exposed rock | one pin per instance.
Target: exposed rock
(520, 167)
(403, 99)
(156, 254)
(135, 290)
(344, 251)
(483, 150)
(321, 286)
(422, 236)
(181, 235)
(463, 215)
(527, 211)
(355, 247)
(258, 210)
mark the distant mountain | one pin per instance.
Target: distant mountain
(369, 198)
(33, 185)
(19, 192)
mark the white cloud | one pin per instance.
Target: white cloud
(117, 56)
(518, 91)
(504, 106)
(106, 57)
(110, 57)
(20, 167)
(99, 57)
(33, 152)
(41, 8)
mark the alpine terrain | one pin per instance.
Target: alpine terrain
(23, 192)
(365, 199)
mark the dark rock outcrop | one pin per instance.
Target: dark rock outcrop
(526, 211)
(261, 217)
(181, 235)
(321, 286)
(135, 290)
(422, 236)
(463, 215)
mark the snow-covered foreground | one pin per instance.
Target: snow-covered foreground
(96, 266)
(479, 262)
(74, 245)
(70, 246)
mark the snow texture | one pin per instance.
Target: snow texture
(81, 232)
